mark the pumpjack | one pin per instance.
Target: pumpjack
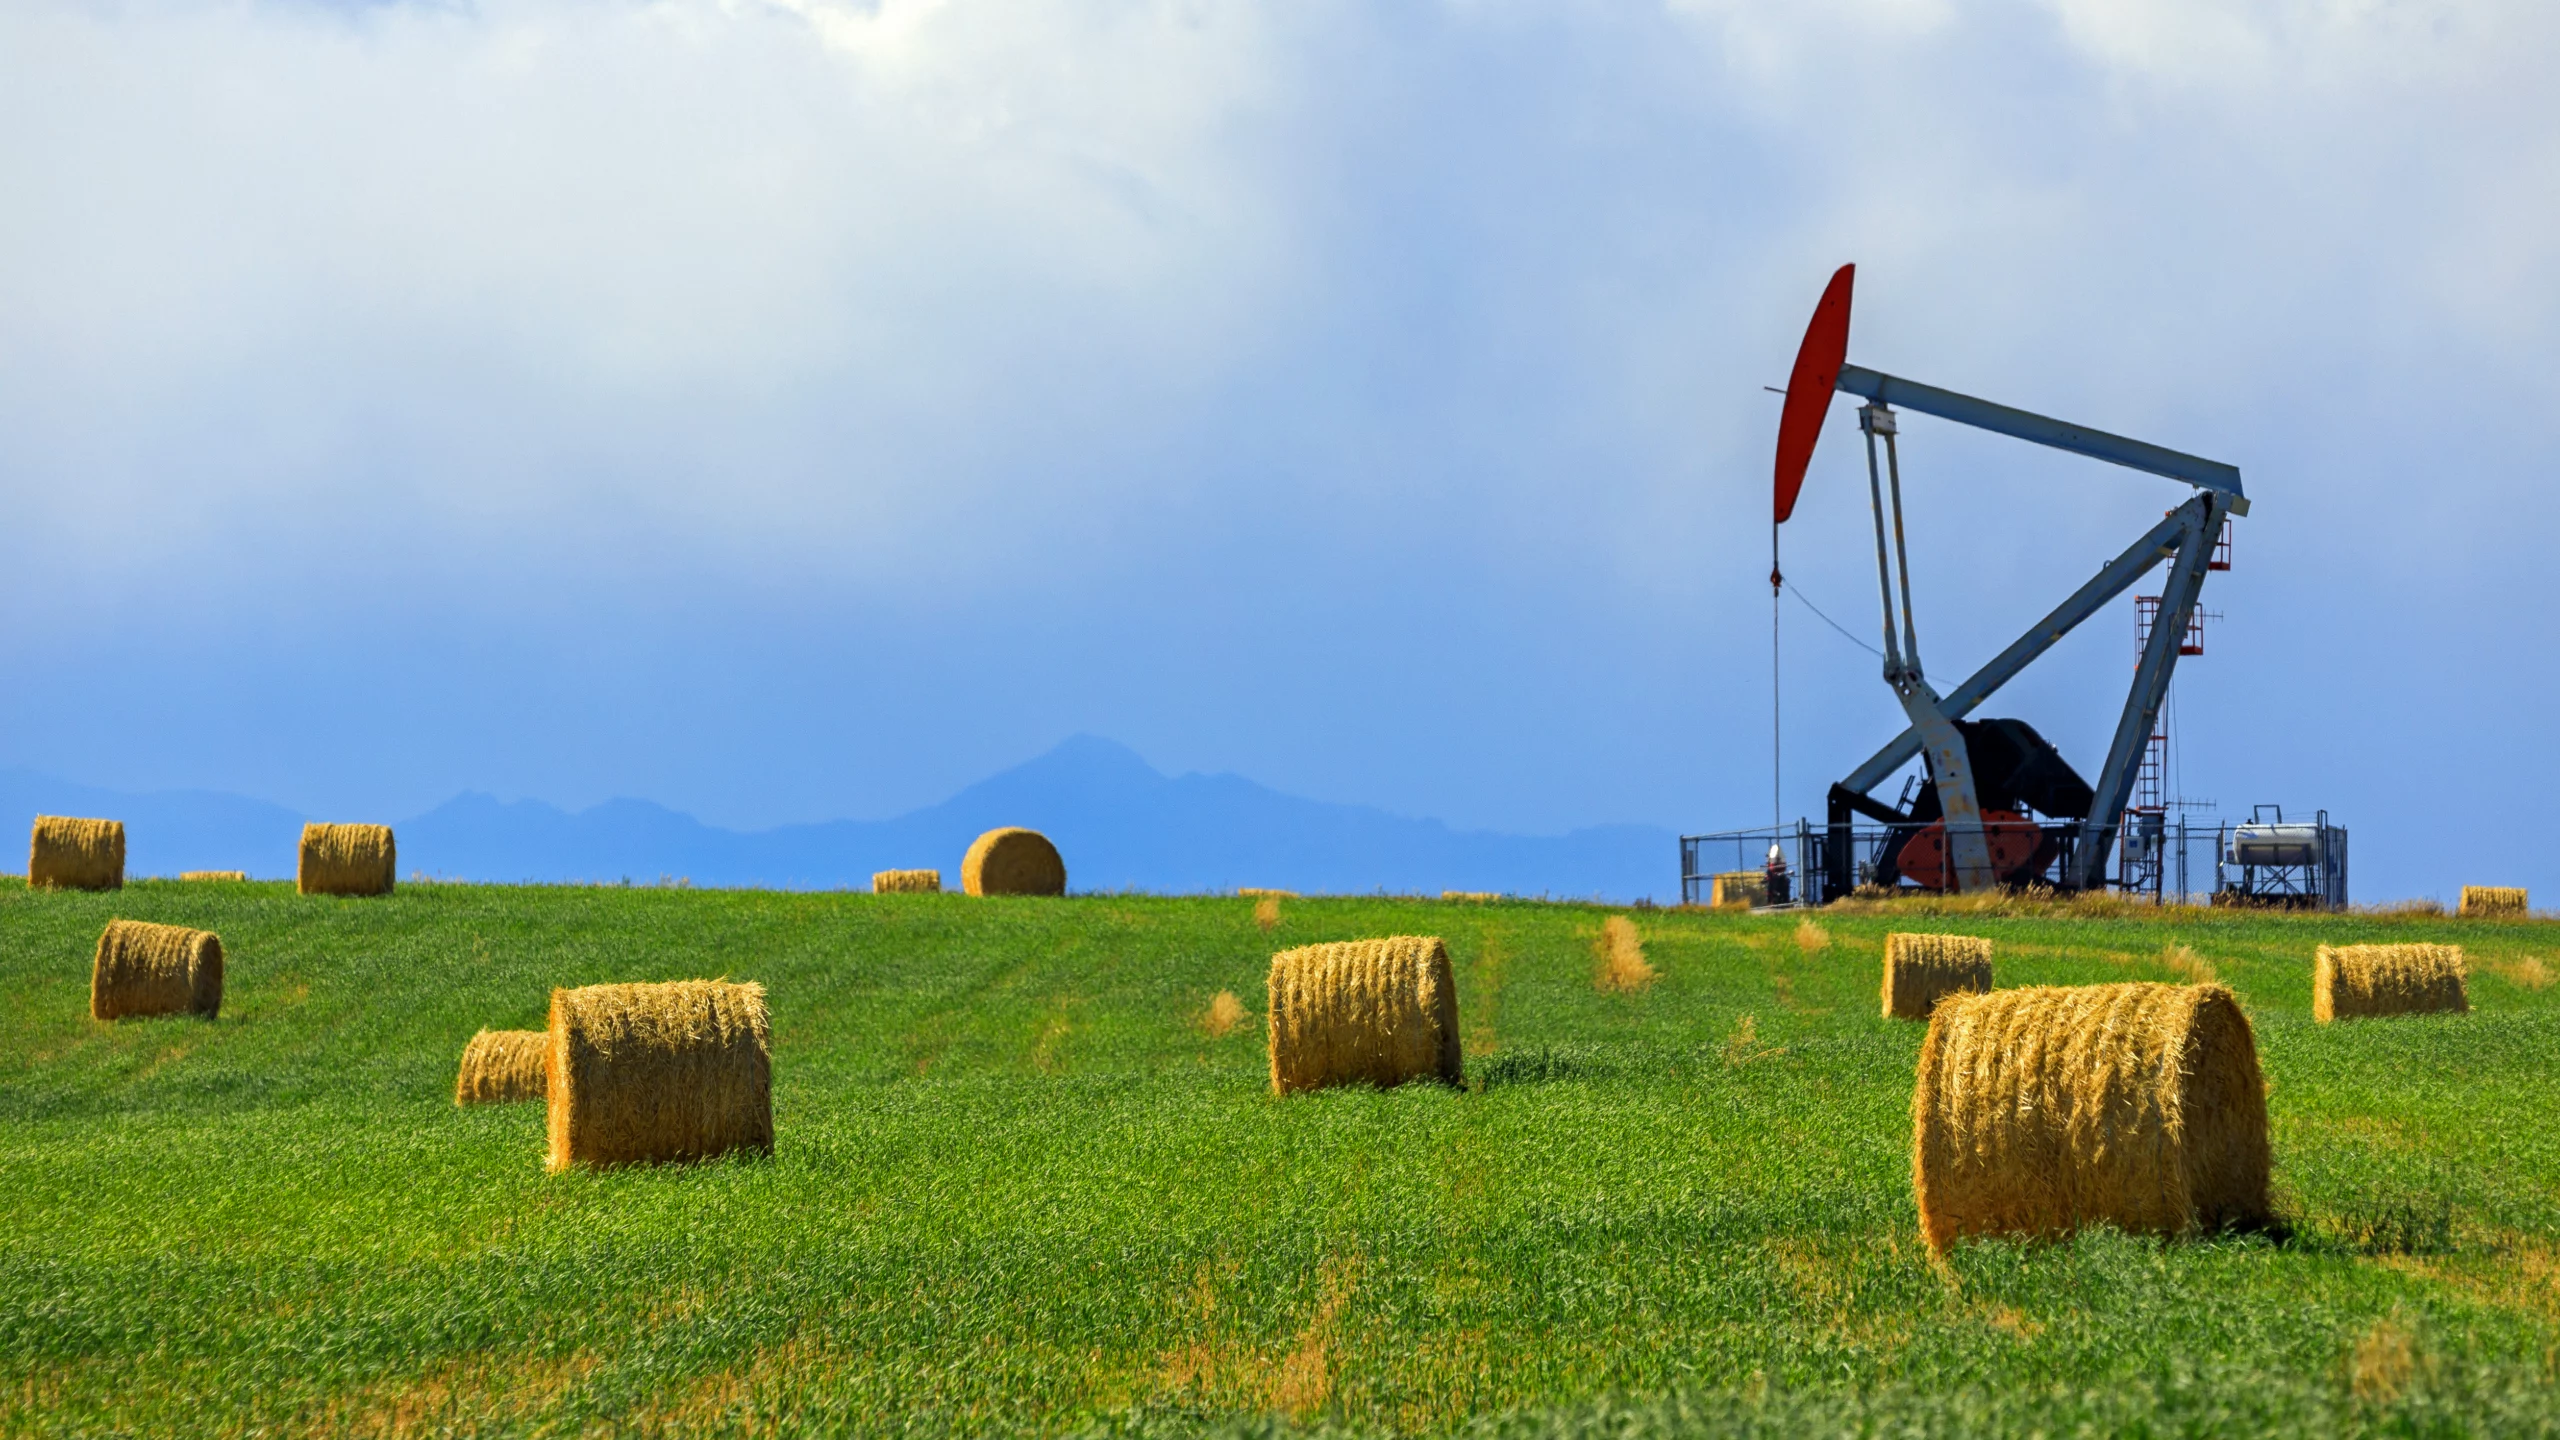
(1966, 824)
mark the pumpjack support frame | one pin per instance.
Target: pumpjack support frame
(2185, 539)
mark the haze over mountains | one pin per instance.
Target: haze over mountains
(1121, 824)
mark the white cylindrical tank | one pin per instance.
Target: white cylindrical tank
(2274, 845)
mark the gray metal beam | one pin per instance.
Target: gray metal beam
(1952, 767)
(2116, 577)
(2044, 430)
(2150, 684)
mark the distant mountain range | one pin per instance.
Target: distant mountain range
(1120, 824)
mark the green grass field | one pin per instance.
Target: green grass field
(1019, 1188)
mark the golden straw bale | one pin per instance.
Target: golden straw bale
(1224, 1014)
(678, 1071)
(1013, 862)
(2493, 900)
(346, 860)
(906, 882)
(1918, 969)
(64, 854)
(1254, 891)
(1619, 953)
(2528, 973)
(213, 874)
(147, 969)
(1739, 890)
(2352, 980)
(500, 1066)
(2044, 1109)
(1373, 1012)
(1472, 897)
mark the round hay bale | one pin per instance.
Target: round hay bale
(67, 854)
(1013, 862)
(906, 882)
(213, 874)
(346, 860)
(1919, 970)
(2480, 900)
(2040, 1110)
(2348, 981)
(501, 1066)
(679, 1071)
(147, 969)
(1364, 1012)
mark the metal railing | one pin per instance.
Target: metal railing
(1809, 878)
(2162, 863)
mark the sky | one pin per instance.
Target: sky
(798, 409)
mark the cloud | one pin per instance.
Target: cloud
(715, 264)
(602, 363)
(917, 283)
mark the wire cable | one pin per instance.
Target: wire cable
(1834, 624)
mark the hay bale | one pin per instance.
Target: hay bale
(346, 860)
(1224, 1014)
(213, 874)
(1013, 862)
(147, 969)
(501, 1066)
(1739, 890)
(2352, 980)
(1619, 952)
(1258, 892)
(1363, 1012)
(65, 854)
(1472, 897)
(2044, 1109)
(679, 1071)
(1919, 969)
(2492, 900)
(906, 882)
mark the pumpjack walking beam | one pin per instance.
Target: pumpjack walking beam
(2043, 430)
(2186, 538)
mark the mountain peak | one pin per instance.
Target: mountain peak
(1121, 823)
(1080, 767)
(1093, 754)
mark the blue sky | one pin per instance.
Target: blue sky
(792, 409)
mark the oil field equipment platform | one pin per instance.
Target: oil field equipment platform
(1994, 805)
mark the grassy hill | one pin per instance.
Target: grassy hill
(1020, 1186)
